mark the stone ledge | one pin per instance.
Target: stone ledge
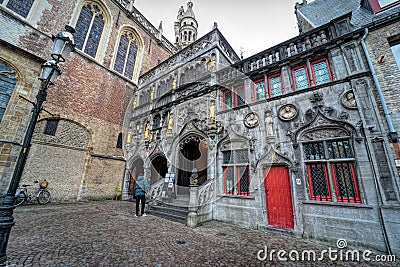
(338, 204)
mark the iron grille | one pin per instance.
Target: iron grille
(314, 151)
(318, 180)
(229, 180)
(321, 73)
(276, 87)
(339, 149)
(51, 127)
(226, 157)
(300, 76)
(241, 156)
(346, 190)
(244, 181)
(260, 90)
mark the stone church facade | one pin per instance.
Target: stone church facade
(77, 145)
(300, 137)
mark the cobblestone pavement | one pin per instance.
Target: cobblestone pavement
(101, 234)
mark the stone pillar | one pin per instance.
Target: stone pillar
(193, 204)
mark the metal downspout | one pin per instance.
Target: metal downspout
(393, 136)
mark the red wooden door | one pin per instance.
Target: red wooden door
(278, 197)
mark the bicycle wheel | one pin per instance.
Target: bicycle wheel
(44, 197)
(20, 199)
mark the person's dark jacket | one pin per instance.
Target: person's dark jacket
(141, 186)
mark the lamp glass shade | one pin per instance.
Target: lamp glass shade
(63, 45)
(49, 68)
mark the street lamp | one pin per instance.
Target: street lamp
(63, 45)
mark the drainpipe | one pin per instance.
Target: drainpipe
(393, 136)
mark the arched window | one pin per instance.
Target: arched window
(22, 8)
(126, 54)
(7, 85)
(89, 29)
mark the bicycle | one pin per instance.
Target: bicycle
(41, 194)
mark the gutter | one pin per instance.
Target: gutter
(392, 135)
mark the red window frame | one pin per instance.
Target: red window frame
(269, 84)
(353, 176)
(223, 98)
(230, 192)
(294, 78)
(235, 96)
(376, 6)
(255, 90)
(312, 196)
(313, 72)
(240, 193)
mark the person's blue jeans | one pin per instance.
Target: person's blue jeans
(141, 198)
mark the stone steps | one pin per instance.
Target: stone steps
(175, 210)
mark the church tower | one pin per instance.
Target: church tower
(185, 26)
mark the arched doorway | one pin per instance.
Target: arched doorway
(137, 168)
(159, 168)
(193, 155)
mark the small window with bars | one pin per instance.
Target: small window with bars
(236, 172)
(333, 159)
(300, 78)
(321, 72)
(51, 127)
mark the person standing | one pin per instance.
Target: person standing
(141, 188)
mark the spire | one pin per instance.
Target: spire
(160, 31)
(185, 26)
(189, 11)
(181, 11)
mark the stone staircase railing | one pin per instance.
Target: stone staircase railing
(155, 193)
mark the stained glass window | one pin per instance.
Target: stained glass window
(7, 85)
(227, 96)
(396, 53)
(239, 96)
(126, 55)
(259, 88)
(384, 3)
(275, 86)
(89, 29)
(321, 72)
(20, 7)
(314, 151)
(300, 78)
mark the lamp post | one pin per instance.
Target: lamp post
(63, 45)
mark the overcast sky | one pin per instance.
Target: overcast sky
(254, 25)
